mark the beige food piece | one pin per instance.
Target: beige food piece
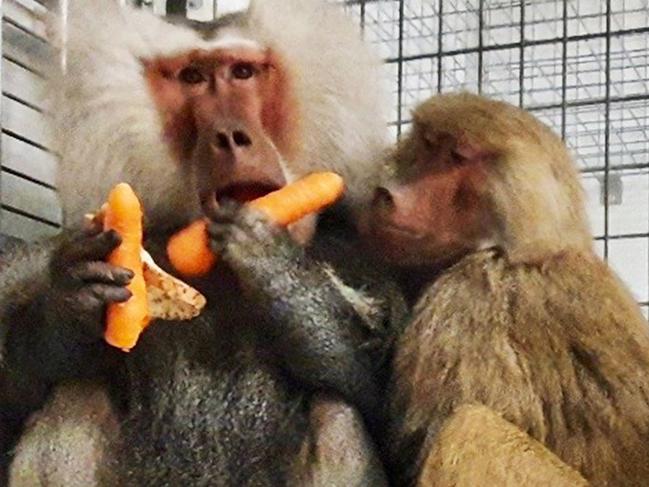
(169, 298)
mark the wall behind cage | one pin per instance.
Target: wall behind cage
(29, 206)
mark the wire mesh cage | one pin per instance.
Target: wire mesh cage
(582, 66)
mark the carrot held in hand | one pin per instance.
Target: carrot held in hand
(189, 250)
(155, 293)
(125, 321)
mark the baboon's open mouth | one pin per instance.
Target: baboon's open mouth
(239, 192)
(244, 192)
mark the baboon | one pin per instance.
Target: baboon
(261, 389)
(516, 312)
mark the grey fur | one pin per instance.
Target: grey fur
(194, 414)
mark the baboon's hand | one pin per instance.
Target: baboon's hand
(82, 284)
(248, 241)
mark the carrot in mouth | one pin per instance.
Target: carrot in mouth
(189, 251)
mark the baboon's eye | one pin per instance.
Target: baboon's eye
(243, 71)
(192, 76)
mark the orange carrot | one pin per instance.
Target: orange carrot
(307, 195)
(125, 321)
(189, 252)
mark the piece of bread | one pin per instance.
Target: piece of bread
(169, 298)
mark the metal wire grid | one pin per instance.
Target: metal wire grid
(582, 66)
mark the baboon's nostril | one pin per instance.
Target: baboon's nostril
(241, 139)
(383, 197)
(222, 141)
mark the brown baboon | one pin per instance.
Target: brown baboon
(522, 316)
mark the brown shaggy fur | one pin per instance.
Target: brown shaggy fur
(533, 325)
(478, 447)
